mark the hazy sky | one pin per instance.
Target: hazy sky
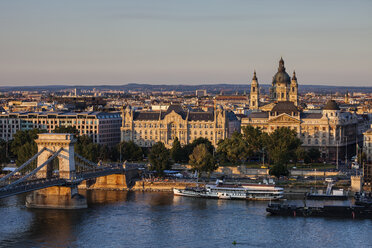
(190, 42)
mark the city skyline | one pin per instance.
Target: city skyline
(174, 42)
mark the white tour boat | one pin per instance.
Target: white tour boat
(265, 191)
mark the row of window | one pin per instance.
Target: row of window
(173, 132)
(172, 125)
(9, 121)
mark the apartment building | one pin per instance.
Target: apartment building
(102, 127)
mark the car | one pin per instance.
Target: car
(329, 180)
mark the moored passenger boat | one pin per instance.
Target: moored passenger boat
(234, 191)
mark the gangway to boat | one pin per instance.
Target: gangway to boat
(329, 188)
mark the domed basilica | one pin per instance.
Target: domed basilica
(329, 130)
(283, 88)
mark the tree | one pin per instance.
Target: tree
(279, 170)
(159, 158)
(3, 147)
(177, 152)
(130, 151)
(104, 153)
(234, 149)
(300, 153)
(23, 145)
(254, 138)
(202, 160)
(282, 145)
(86, 148)
(314, 154)
(189, 148)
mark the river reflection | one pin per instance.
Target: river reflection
(138, 219)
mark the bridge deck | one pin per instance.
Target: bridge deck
(42, 183)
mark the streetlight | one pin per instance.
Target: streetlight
(337, 154)
(346, 152)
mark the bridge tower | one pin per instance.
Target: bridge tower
(61, 146)
(53, 142)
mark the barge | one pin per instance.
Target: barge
(350, 212)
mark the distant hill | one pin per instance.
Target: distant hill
(211, 88)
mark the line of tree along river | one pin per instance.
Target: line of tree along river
(278, 148)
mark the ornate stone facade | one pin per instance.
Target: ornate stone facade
(367, 145)
(330, 130)
(367, 167)
(148, 127)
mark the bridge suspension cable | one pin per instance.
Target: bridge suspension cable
(24, 165)
(35, 170)
(86, 160)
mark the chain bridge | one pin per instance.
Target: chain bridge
(72, 170)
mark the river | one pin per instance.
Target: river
(137, 219)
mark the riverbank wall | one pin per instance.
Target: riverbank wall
(244, 171)
(120, 182)
(161, 185)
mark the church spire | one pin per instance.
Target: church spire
(255, 93)
(294, 75)
(254, 76)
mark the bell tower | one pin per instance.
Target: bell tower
(293, 91)
(255, 93)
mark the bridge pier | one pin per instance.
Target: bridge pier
(57, 197)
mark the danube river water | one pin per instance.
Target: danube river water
(136, 219)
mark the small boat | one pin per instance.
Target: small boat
(330, 194)
(190, 191)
